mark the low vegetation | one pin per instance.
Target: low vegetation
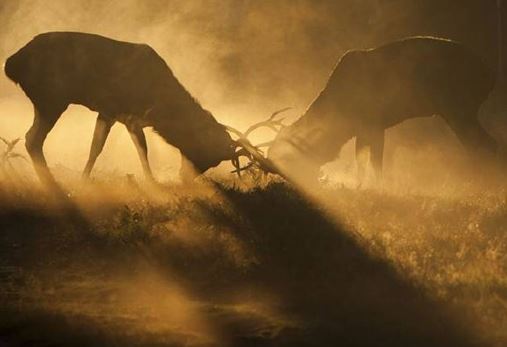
(123, 264)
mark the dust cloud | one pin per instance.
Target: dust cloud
(252, 262)
(242, 60)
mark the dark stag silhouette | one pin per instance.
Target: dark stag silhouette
(371, 90)
(124, 82)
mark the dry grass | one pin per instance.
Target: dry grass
(454, 247)
(173, 266)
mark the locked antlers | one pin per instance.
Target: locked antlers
(253, 152)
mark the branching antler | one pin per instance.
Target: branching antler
(274, 124)
(253, 152)
(249, 151)
(246, 167)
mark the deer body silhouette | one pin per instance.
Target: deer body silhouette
(125, 82)
(371, 90)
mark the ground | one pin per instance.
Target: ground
(231, 264)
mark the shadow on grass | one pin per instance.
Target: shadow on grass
(343, 295)
(326, 289)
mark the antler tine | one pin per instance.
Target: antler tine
(234, 131)
(270, 123)
(244, 152)
(4, 140)
(235, 163)
(274, 114)
(246, 167)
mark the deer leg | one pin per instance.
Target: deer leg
(139, 139)
(362, 152)
(44, 121)
(377, 152)
(374, 142)
(473, 137)
(102, 128)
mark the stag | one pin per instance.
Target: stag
(124, 82)
(371, 90)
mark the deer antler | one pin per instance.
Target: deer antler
(246, 167)
(274, 124)
(271, 123)
(255, 155)
(252, 152)
(234, 131)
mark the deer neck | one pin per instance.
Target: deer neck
(178, 122)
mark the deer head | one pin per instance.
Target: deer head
(206, 143)
(215, 144)
(300, 149)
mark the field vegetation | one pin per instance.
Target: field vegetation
(251, 263)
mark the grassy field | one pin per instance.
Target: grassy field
(227, 265)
